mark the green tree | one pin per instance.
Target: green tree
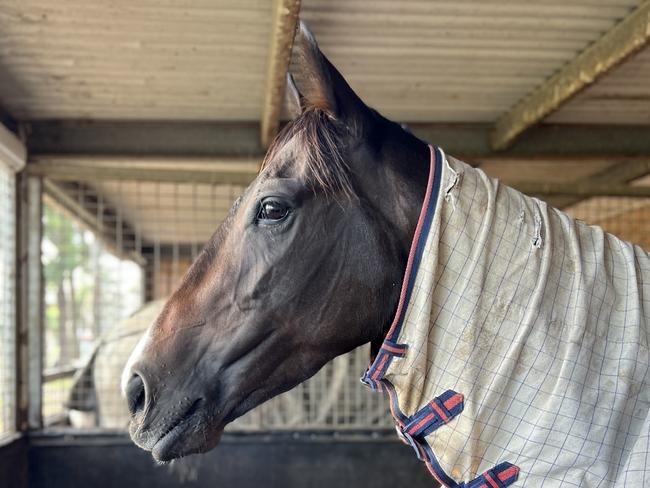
(66, 238)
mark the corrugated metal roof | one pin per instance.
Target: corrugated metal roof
(150, 59)
(449, 61)
(414, 60)
(620, 97)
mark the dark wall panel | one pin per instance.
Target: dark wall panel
(239, 461)
(13, 464)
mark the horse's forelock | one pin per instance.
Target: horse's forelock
(314, 142)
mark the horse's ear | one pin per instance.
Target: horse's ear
(295, 101)
(321, 85)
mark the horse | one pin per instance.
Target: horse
(511, 339)
(94, 398)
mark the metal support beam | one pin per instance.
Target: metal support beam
(625, 38)
(285, 19)
(30, 302)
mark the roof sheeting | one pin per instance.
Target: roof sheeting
(459, 61)
(151, 59)
(414, 60)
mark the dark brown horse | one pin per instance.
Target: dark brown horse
(524, 334)
(307, 266)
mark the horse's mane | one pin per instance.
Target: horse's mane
(315, 136)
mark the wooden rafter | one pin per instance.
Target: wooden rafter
(242, 140)
(231, 170)
(582, 189)
(12, 150)
(74, 168)
(625, 38)
(616, 175)
(285, 19)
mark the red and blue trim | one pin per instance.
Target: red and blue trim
(438, 412)
(500, 476)
(442, 409)
(384, 357)
(425, 220)
(388, 350)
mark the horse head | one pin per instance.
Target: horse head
(306, 266)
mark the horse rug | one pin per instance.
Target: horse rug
(519, 351)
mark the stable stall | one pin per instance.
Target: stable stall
(128, 129)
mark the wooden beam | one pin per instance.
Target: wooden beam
(610, 182)
(221, 139)
(544, 141)
(625, 38)
(583, 189)
(236, 170)
(12, 150)
(619, 173)
(8, 121)
(144, 138)
(285, 19)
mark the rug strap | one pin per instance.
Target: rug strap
(387, 352)
(440, 411)
(500, 476)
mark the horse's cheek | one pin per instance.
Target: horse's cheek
(368, 262)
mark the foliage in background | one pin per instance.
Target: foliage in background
(87, 291)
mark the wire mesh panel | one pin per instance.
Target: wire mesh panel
(625, 217)
(7, 300)
(90, 285)
(113, 251)
(113, 247)
(334, 399)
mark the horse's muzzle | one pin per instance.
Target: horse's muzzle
(168, 432)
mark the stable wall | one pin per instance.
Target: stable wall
(250, 460)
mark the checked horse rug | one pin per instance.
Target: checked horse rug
(519, 351)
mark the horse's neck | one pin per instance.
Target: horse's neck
(396, 185)
(398, 190)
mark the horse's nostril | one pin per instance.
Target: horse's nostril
(135, 394)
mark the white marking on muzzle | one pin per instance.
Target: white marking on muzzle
(127, 373)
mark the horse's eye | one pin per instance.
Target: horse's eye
(272, 210)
